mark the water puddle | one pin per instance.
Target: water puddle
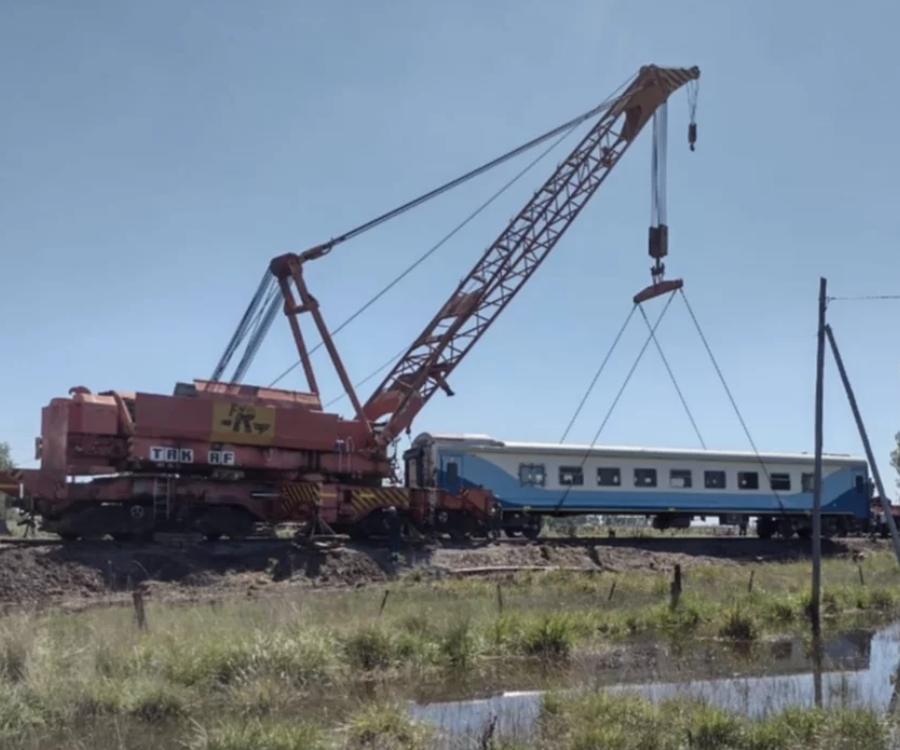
(857, 668)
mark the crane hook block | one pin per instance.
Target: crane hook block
(657, 289)
(692, 134)
(658, 241)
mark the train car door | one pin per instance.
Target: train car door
(451, 472)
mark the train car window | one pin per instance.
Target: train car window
(532, 475)
(860, 484)
(780, 482)
(714, 480)
(608, 477)
(680, 479)
(572, 476)
(645, 477)
(807, 482)
(452, 471)
(748, 480)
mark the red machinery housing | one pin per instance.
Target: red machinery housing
(217, 457)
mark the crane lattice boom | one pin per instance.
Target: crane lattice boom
(515, 255)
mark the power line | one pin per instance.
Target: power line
(864, 298)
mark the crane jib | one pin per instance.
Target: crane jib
(517, 253)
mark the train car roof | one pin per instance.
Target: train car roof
(488, 443)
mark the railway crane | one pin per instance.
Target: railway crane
(217, 456)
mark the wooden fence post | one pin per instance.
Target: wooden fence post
(675, 588)
(140, 614)
(499, 599)
(384, 599)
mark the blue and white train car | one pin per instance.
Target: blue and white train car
(532, 480)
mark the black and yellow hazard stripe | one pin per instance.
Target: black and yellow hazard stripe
(298, 496)
(366, 499)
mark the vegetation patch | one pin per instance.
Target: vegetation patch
(629, 722)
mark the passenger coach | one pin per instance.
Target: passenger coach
(533, 480)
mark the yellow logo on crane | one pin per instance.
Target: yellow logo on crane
(243, 423)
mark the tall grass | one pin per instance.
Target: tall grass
(588, 721)
(628, 722)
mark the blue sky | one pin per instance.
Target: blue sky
(156, 155)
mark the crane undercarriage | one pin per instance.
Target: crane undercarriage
(135, 507)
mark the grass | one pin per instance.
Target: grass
(585, 721)
(590, 722)
(374, 725)
(317, 656)
(628, 722)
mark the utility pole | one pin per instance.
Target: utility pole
(817, 486)
(864, 436)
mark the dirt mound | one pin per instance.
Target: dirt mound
(587, 556)
(51, 575)
(636, 553)
(29, 577)
(501, 555)
(348, 567)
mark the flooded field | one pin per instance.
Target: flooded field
(857, 669)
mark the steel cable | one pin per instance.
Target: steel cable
(665, 360)
(731, 398)
(409, 269)
(618, 396)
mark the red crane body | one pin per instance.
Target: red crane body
(217, 457)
